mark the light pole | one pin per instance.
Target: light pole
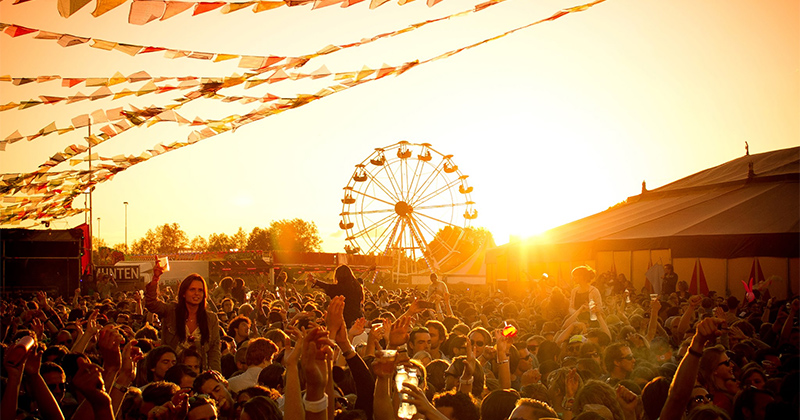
(98, 227)
(126, 226)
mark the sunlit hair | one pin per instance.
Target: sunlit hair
(343, 273)
(152, 358)
(259, 350)
(596, 392)
(226, 283)
(583, 272)
(708, 412)
(181, 311)
(708, 364)
(465, 406)
(262, 408)
(234, 325)
(540, 408)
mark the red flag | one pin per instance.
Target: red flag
(698, 280)
(86, 258)
(647, 283)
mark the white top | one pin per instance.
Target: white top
(245, 379)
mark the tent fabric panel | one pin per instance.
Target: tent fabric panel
(737, 202)
(629, 216)
(781, 202)
(779, 162)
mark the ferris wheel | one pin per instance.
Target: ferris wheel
(409, 201)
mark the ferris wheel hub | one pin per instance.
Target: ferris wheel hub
(403, 209)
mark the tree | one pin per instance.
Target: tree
(166, 239)
(259, 240)
(199, 244)
(239, 239)
(294, 235)
(220, 242)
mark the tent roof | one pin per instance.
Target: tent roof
(719, 212)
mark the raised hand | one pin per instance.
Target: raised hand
(627, 399)
(357, 328)
(469, 366)
(502, 344)
(414, 395)
(291, 355)
(108, 344)
(398, 334)
(89, 381)
(334, 319)
(572, 383)
(707, 329)
(130, 359)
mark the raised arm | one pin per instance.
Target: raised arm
(682, 384)
(151, 301)
(293, 401)
(652, 327)
(688, 316)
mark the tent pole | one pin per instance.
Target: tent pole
(727, 281)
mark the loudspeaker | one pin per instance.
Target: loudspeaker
(32, 260)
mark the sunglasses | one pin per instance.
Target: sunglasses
(477, 343)
(57, 387)
(573, 349)
(726, 363)
(703, 398)
(628, 357)
(533, 348)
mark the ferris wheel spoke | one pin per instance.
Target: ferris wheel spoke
(439, 206)
(391, 242)
(423, 247)
(366, 229)
(383, 188)
(410, 183)
(436, 237)
(356, 213)
(437, 220)
(392, 181)
(373, 197)
(440, 190)
(421, 188)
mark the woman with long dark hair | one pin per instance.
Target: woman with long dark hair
(187, 323)
(344, 284)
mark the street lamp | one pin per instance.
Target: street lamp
(98, 227)
(126, 226)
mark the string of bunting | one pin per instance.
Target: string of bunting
(50, 198)
(145, 11)
(152, 87)
(245, 61)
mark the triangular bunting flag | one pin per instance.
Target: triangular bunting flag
(15, 31)
(67, 7)
(263, 6)
(139, 76)
(69, 40)
(232, 7)
(175, 8)
(204, 7)
(145, 11)
(104, 6)
(103, 45)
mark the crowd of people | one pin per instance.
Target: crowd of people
(331, 349)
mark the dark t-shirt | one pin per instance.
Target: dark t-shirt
(669, 284)
(353, 294)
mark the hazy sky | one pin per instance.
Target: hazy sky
(552, 123)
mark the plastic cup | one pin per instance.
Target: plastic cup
(163, 262)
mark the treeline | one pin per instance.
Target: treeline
(281, 235)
